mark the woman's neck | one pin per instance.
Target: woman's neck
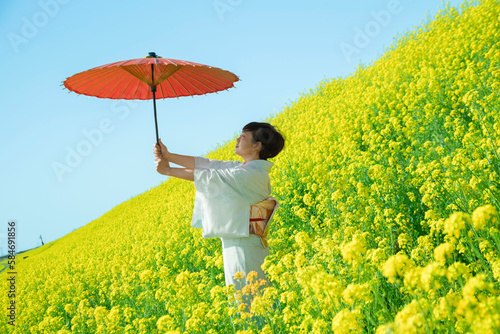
(250, 157)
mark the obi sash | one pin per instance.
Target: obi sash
(260, 218)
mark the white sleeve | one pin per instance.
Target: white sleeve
(249, 184)
(200, 162)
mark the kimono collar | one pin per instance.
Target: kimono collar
(261, 163)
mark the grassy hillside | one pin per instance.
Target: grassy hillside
(389, 191)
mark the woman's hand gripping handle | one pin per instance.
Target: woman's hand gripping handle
(161, 161)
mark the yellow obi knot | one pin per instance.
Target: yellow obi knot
(260, 216)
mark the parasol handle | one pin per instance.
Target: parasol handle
(153, 90)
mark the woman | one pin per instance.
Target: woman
(225, 192)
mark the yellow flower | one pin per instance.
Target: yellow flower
(429, 274)
(355, 292)
(474, 284)
(385, 329)
(376, 256)
(251, 276)
(404, 240)
(182, 278)
(443, 251)
(483, 216)
(288, 297)
(345, 322)
(303, 239)
(146, 276)
(354, 250)
(413, 280)
(219, 263)
(446, 306)
(193, 323)
(395, 266)
(474, 292)
(495, 266)
(456, 223)
(239, 275)
(456, 270)
(261, 305)
(70, 309)
(319, 327)
(52, 311)
(411, 319)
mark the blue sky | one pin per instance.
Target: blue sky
(279, 50)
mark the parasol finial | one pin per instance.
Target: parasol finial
(153, 55)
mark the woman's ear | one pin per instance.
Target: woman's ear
(259, 146)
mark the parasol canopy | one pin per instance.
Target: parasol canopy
(148, 78)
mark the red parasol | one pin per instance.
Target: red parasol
(149, 78)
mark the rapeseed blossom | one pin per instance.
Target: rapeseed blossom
(484, 216)
(455, 224)
(411, 319)
(355, 250)
(396, 266)
(345, 322)
(443, 252)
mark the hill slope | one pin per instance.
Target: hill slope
(389, 191)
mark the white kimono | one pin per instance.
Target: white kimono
(224, 192)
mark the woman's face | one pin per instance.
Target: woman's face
(245, 145)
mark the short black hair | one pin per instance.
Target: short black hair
(272, 141)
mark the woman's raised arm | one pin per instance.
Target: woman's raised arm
(178, 159)
(163, 167)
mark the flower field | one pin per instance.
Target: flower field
(389, 190)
